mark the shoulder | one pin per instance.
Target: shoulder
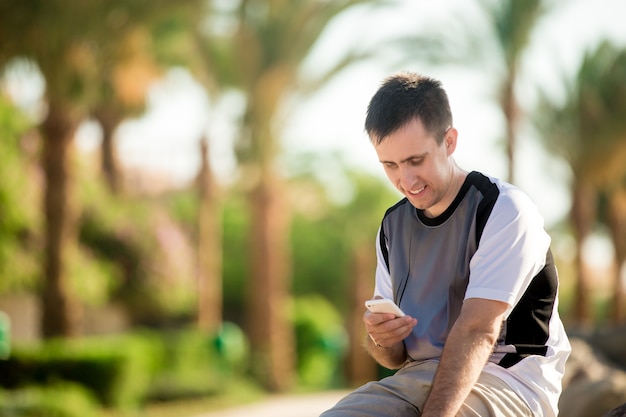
(515, 203)
(516, 218)
(502, 205)
(506, 197)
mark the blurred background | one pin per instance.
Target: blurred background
(188, 200)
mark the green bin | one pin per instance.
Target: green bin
(5, 336)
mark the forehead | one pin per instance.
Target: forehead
(413, 138)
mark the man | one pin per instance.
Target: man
(466, 257)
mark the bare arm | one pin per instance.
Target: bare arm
(388, 332)
(467, 349)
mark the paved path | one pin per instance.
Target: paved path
(301, 405)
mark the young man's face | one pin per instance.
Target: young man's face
(419, 167)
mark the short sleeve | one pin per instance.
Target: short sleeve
(511, 251)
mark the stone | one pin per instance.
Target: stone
(593, 386)
(619, 411)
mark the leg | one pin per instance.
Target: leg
(491, 397)
(402, 394)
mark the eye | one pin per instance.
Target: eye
(389, 165)
(415, 161)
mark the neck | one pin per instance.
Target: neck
(457, 178)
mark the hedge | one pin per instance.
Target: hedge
(61, 400)
(117, 370)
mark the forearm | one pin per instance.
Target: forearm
(462, 361)
(392, 357)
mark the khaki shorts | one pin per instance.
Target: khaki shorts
(404, 394)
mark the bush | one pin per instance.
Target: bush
(185, 367)
(62, 400)
(321, 342)
(117, 370)
(197, 364)
(126, 371)
(19, 202)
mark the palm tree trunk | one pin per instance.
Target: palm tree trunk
(360, 367)
(59, 312)
(271, 333)
(511, 116)
(583, 214)
(108, 122)
(209, 249)
(617, 222)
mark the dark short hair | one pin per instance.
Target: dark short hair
(404, 97)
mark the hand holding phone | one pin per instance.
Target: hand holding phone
(383, 305)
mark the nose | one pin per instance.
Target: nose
(406, 178)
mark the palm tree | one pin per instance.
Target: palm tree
(125, 77)
(66, 40)
(158, 38)
(512, 22)
(587, 130)
(64, 59)
(261, 57)
(608, 108)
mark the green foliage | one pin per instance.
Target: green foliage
(321, 342)
(236, 249)
(18, 204)
(321, 257)
(323, 239)
(323, 235)
(117, 256)
(196, 364)
(5, 336)
(13, 125)
(121, 255)
(60, 400)
(92, 278)
(125, 371)
(145, 256)
(586, 129)
(117, 370)
(185, 369)
(183, 206)
(114, 238)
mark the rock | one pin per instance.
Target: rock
(611, 342)
(585, 364)
(593, 398)
(620, 411)
(592, 385)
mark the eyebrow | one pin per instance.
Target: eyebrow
(407, 159)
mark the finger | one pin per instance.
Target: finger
(393, 330)
(374, 319)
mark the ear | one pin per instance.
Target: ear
(450, 140)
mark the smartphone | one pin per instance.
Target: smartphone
(383, 305)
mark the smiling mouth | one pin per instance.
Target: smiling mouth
(416, 192)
